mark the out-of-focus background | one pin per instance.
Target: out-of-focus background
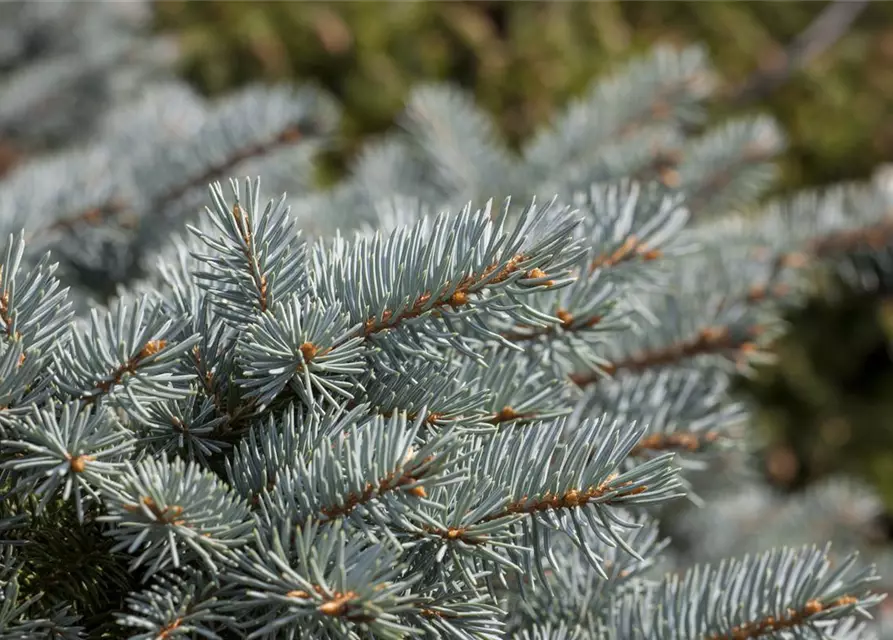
(827, 405)
(524, 59)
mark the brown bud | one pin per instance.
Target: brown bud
(309, 351)
(152, 348)
(565, 316)
(458, 299)
(813, 607)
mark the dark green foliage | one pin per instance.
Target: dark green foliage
(92, 577)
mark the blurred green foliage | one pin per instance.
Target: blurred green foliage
(833, 392)
(826, 406)
(524, 59)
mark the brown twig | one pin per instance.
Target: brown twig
(391, 482)
(338, 604)
(208, 381)
(92, 216)
(507, 414)
(631, 249)
(167, 515)
(458, 299)
(675, 441)
(169, 630)
(260, 279)
(771, 624)
(710, 340)
(522, 334)
(10, 156)
(876, 236)
(5, 315)
(571, 499)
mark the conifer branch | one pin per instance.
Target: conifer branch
(275, 444)
(102, 213)
(631, 249)
(631, 228)
(335, 604)
(174, 511)
(568, 324)
(290, 135)
(582, 486)
(321, 578)
(708, 341)
(453, 269)
(660, 109)
(5, 317)
(791, 619)
(212, 390)
(800, 587)
(687, 441)
(309, 348)
(138, 373)
(396, 480)
(93, 216)
(242, 275)
(400, 470)
(729, 166)
(705, 190)
(877, 236)
(104, 385)
(661, 105)
(571, 499)
(175, 605)
(211, 361)
(34, 308)
(452, 294)
(663, 167)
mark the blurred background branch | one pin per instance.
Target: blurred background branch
(834, 21)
